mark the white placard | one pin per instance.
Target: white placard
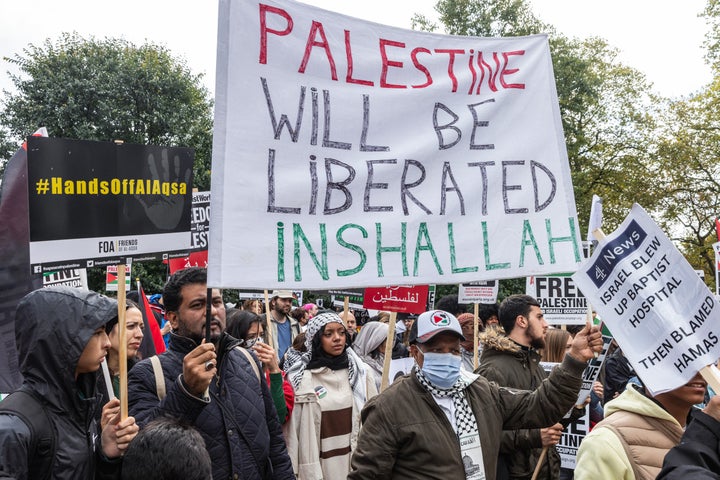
(561, 302)
(657, 308)
(479, 292)
(352, 154)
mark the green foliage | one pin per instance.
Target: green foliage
(7, 149)
(689, 150)
(108, 90)
(152, 277)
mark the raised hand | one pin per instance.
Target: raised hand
(199, 367)
(586, 342)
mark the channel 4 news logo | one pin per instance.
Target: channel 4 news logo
(37, 269)
(613, 252)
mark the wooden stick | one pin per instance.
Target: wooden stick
(268, 328)
(123, 343)
(599, 235)
(346, 309)
(388, 351)
(711, 374)
(541, 460)
(476, 333)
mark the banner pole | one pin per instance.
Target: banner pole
(543, 454)
(123, 342)
(476, 327)
(208, 314)
(268, 320)
(711, 374)
(388, 351)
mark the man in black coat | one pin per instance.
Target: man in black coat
(214, 386)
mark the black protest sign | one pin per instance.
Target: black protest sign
(98, 203)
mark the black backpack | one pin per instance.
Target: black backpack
(30, 410)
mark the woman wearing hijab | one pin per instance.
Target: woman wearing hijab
(370, 347)
(331, 385)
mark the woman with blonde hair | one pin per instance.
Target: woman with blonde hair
(557, 343)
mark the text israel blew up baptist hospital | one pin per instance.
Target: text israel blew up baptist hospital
(628, 286)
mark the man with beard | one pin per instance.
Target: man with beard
(214, 386)
(510, 359)
(284, 327)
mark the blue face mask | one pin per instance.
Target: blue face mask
(441, 369)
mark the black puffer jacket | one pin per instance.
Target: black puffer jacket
(258, 451)
(510, 365)
(53, 326)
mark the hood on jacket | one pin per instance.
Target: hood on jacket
(632, 400)
(494, 338)
(52, 327)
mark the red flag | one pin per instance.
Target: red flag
(717, 228)
(150, 322)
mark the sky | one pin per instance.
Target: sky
(653, 36)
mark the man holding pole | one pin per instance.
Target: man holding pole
(511, 360)
(215, 386)
(441, 422)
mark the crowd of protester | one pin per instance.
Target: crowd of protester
(285, 391)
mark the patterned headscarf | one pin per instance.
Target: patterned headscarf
(315, 325)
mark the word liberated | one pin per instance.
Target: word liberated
(415, 244)
(338, 196)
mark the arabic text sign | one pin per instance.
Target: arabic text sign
(97, 203)
(561, 302)
(657, 308)
(382, 156)
(478, 292)
(401, 298)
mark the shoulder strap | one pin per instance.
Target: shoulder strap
(31, 411)
(252, 361)
(159, 376)
(626, 447)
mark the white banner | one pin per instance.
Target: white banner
(351, 154)
(657, 308)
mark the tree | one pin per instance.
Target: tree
(107, 90)
(689, 154)
(7, 148)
